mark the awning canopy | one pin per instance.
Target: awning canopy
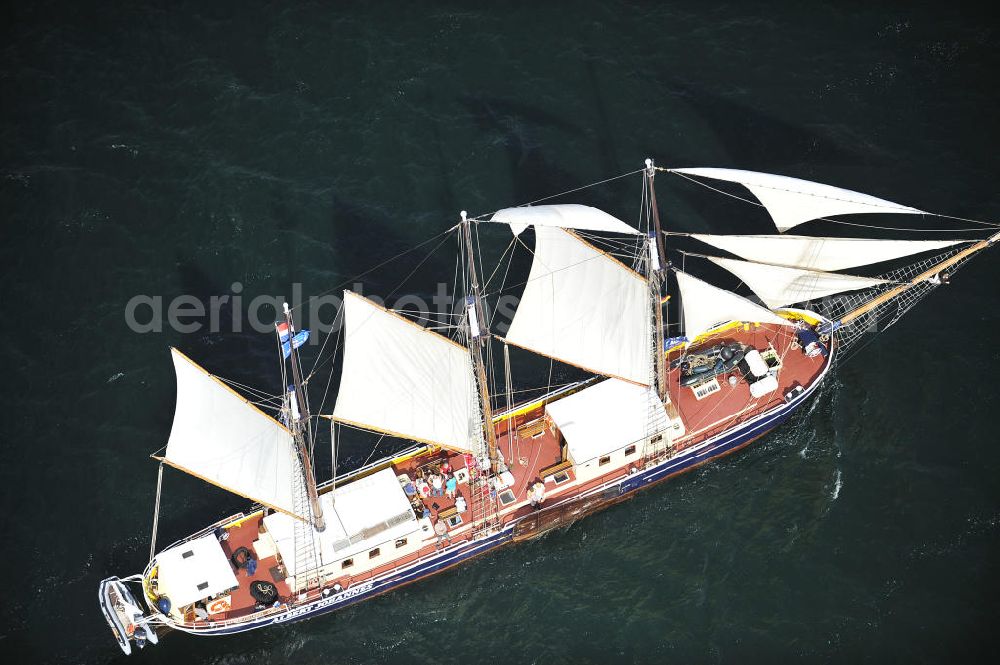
(360, 515)
(606, 417)
(195, 570)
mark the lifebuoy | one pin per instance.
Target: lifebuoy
(219, 605)
(240, 557)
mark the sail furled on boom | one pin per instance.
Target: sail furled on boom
(779, 286)
(706, 306)
(565, 216)
(791, 201)
(815, 253)
(403, 380)
(583, 307)
(220, 437)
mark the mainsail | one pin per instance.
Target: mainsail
(791, 201)
(406, 381)
(585, 308)
(566, 216)
(706, 306)
(814, 253)
(222, 438)
(779, 286)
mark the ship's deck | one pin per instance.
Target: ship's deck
(733, 404)
(530, 445)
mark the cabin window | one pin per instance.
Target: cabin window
(454, 520)
(604, 460)
(560, 477)
(400, 543)
(656, 439)
(506, 497)
(202, 586)
(374, 553)
(188, 554)
(346, 563)
(630, 450)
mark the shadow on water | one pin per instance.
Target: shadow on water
(533, 174)
(758, 140)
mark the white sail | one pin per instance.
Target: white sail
(706, 306)
(566, 216)
(406, 381)
(779, 286)
(220, 437)
(813, 253)
(791, 201)
(583, 307)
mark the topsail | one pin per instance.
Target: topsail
(564, 216)
(791, 201)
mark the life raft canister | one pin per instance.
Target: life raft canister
(263, 592)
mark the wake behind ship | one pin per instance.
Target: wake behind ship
(486, 469)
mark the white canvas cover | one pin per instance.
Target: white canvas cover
(403, 380)
(583, 307)
(360, 515)
(791, 201)
(813, 253)
(606, 417)
(197, 563)
(706, 306)
(566, 216)
(779, 286)
(220, 437)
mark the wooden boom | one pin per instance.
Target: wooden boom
(930, 272)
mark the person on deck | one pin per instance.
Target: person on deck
(451, 486)
(446, 467)
(460, 504)
(441, 529)
(423, 489)
(437, 485)
(537, 494)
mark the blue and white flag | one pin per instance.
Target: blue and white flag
(298, 339)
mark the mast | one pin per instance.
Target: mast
(301, 430)
(657, 280)
(478, 337)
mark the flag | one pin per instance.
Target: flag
(282, 331)
(298, 339)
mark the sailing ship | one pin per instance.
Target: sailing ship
(483, 469)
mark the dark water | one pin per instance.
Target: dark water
(172, 149)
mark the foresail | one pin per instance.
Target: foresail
(706, 306)
(222, 438)
(791, 201)
(583, 307)
(779, 286)
(814, 253)
(406, 381)
(566, 216)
